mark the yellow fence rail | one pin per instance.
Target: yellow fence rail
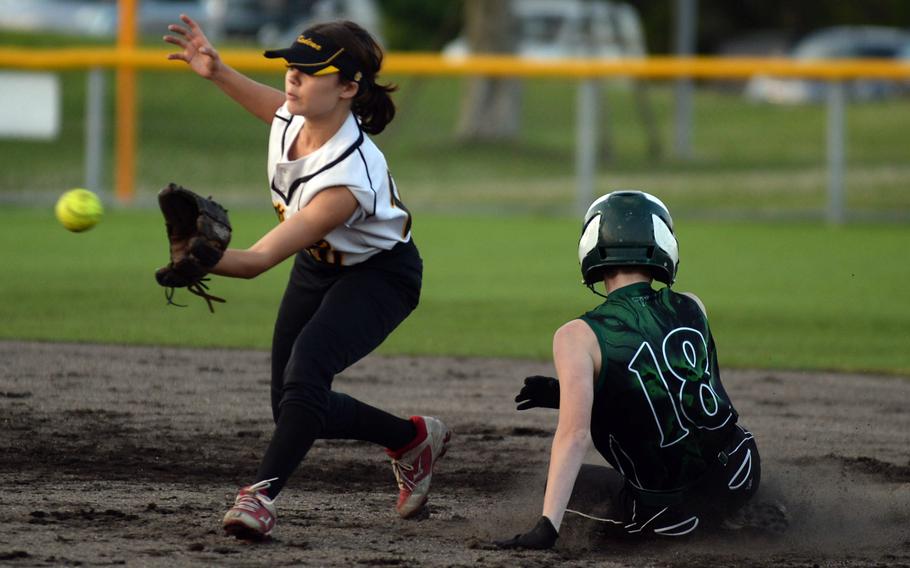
(126, 59)
(490, 65)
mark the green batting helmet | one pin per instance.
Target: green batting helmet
(628, 228)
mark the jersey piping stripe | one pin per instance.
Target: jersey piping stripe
(284, 135)
(747, 463)
(593, 518)
(370, 180)
(300, 181)
(748, 436)
(637, 482)
(396, 202)
(692, 522)
(639, 529)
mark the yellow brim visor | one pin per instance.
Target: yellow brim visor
(323, 61)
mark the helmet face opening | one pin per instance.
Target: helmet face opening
(628, 228)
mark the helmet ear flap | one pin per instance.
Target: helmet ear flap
(590, 236)
(665, 240)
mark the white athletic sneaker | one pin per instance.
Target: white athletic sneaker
(413, 464)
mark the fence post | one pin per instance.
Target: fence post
(836, 92)
(125, 105)
(587, 121)
(686, 19)
(94, 128)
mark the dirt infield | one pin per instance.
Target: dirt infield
(130, 455)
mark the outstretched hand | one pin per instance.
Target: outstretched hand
(197, 52)
(540, 392)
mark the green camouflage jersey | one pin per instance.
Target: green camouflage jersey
(660, 412)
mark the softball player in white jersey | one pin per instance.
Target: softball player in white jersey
(348, 159)
(357, 272)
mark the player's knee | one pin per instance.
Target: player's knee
(311, 398)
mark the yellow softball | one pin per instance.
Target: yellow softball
(79, 210)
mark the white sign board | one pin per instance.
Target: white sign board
(29, 105)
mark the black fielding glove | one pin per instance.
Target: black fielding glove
(541, 537)
(198, 232)
(540, 392)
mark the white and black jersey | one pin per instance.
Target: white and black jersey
(348, 159)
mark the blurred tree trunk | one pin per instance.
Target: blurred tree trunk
(491, 108)
(641, 92)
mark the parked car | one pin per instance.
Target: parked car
(859, 42)
(247, 18)
(570, 28)
(94, 17)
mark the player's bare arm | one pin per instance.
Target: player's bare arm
(576, 356)
(328, 209)
(197, 52)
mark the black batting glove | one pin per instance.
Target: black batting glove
(540, 392)
(541, 537)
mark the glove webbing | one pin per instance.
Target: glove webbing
(198, 288)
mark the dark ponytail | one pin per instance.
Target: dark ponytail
(373, 104)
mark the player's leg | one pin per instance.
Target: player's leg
(357, 313)
(413, 460)
(730, 481)
(414, 452)
(634, 513)
(306, 287)
(596, 490)
(595, 504)
(350, 419)
(353, 318)
(740, 480)
(253, 514)
(740, 469)
(604, 505)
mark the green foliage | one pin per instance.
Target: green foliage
(415, 25)
(722, 20)
(797, 296)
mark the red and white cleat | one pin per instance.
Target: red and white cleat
(253, 515)
(413, 464)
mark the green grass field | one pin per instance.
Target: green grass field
(797, 296)
(494, 223)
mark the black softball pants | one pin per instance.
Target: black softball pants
(331, 317)
(602, 493)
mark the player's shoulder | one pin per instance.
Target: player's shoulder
(284, 127)
(576, 331)
(576, 339)
(282, 114)
(370, 150)
(697, 300)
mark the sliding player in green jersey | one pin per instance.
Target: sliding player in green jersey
(638, 377)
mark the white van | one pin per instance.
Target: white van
(571, 28)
